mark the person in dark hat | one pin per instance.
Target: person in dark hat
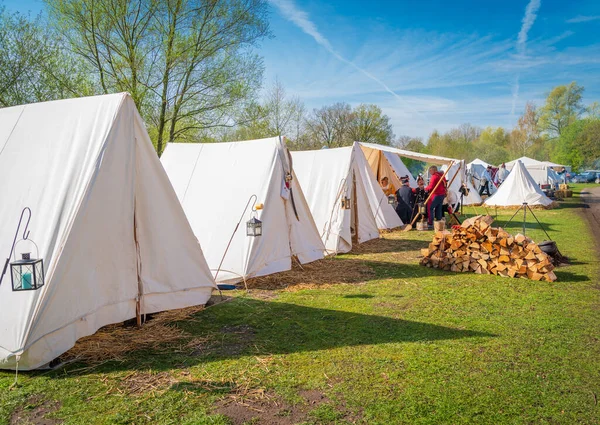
(405, 199)
(419, 196)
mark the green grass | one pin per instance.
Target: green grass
(411, 346)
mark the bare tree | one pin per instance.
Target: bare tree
(330, 125)
(526, 135)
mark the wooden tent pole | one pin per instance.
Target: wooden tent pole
(412, 223)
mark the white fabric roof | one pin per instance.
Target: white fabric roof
(553, 164)
(106, 221)
(526, 161)
(478, 161)
(519, 187)
(326, 177)
(387, 164)
(541, 172)
(214, 182)
(432, 159)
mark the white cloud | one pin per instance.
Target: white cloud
(300, 18)
(528, 20)
(583, 18)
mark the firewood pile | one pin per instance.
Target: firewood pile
(477, 247)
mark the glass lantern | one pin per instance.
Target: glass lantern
(27, 273)
(422, 209)
(391, 199)
(254, 227)
(346, 203)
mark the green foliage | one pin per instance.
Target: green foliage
(563, 107)
(371, 125)
(579, 144)
(34, 66)
(492, 145)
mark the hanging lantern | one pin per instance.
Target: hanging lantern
(346, 203)
(422, 209)
(391, 199)
(254, 227)
(27, 273)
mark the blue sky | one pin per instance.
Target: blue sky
(430, 64)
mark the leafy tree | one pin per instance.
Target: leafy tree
(33, 65)
(563, 107)
(187, 64)
(371, 125)
(593, 110)
(579, 144)
(492, 145)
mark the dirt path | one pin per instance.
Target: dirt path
(591, 210)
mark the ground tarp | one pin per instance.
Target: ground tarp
(215, 183)
(105, 219)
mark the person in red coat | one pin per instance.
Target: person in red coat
(438, 194)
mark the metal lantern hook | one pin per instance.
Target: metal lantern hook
(25, 237)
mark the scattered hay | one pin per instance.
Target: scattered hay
(113, 342)
(140, 383)
(551, 206)
(322, 273)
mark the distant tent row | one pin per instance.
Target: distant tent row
(541, 172)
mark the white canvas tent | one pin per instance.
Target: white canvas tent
(105, 218)
(541, 172)
(519, 187)
(477, 171)
(330, 175)
(387, 164)
(216, 184)
(454, 184)
(480, 162)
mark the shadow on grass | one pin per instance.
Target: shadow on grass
(516, 225)
(250, 327)
(566, 276)
(345, 269)
(360, 296)
(378, 246)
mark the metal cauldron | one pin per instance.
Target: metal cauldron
(549, 247)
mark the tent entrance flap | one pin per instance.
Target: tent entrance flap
(354, 216)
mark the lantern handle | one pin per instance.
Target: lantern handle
(37, 249)
(25, 237)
